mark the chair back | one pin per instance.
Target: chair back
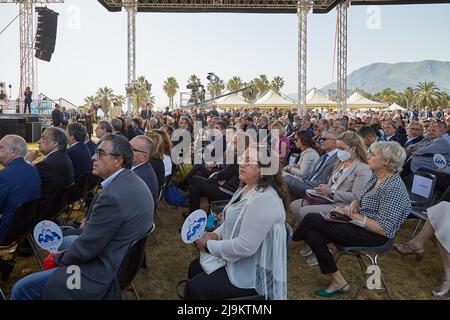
(79, 188)
(422, 188)
(58, 202)
(132, 261)
(93, 182)
(23, 220)
(446, 195)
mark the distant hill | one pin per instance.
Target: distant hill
(398, 76)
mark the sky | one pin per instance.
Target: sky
(91, 47)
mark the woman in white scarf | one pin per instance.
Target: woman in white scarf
(251, 242)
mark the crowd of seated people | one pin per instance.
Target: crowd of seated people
(356, 164)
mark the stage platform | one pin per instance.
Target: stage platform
(28, 126)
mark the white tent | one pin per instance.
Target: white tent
(357, 101)
(232, 101)
(394, 107)
(273, 99)
(316, 98)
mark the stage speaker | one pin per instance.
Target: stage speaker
(46, 33)
(34, 131)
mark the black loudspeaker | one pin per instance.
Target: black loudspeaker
(46, 33)
(34, 131)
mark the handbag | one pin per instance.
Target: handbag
(211, 263)
(316, 199)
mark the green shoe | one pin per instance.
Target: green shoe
(328, 294)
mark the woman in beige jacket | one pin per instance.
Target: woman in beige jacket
(350, 176)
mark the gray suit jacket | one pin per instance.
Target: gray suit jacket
(324, 173)
(119, 215)
(350, 185)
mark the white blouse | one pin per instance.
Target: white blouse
(257, 250)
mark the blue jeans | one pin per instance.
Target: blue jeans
(32, 286)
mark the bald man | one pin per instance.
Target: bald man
(19, 181)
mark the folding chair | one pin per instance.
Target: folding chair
(421, 193)
(292, 157)
(2, 296)
(132, 263)
(22, 222)
(78, 191)
(370, 252)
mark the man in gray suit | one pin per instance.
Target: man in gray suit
(322, 172)
(423, 157)
(118, 216)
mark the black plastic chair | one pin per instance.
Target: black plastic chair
(77, 192)
(421, 189)
(370, 252)
(292, 157)
(19, 228)
(132, 263)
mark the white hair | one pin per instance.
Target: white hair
(391, 151)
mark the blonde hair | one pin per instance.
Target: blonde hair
(278, 126)
(353, 140)
(167, 144)
(158, 150)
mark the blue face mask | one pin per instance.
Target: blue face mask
(343, 155)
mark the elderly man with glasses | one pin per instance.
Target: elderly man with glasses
(142, 150)
(120, 214)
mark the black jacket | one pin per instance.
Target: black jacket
(80, 156)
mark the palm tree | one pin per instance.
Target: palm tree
(443, 99)
(387, 95)
(235, 84)
(151, 101)
(170, 88)
(426, 94)
(215, 88)
(104, 97)
(262, 84)
(277, 83)
(119, 100)
(408, 96)
(193, 79)
(90, 100)
(141, 93)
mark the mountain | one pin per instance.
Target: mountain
(398, 76)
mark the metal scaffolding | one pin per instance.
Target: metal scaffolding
(26, 47)
(302, 12)
(26, 22)
(131, 7)
(342, 56)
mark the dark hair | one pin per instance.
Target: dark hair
(376, 128)
(59, 136)
(222, 124)
(77, 130)
(306, 139)
(116, 123)
(105, 125)
(138, 122)
(275, 181)
(124, 128)
(121, 147)
(365, 131)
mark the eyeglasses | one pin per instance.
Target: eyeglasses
(137, 150)
(100, 154)
(325, 139)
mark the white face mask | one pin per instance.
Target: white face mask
(343, 155)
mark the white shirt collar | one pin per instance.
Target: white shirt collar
(51, 153)
(332, 153)
(108, 180)
(76, 142)
(132, 169)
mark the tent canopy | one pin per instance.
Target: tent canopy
(357, 101)
(394, 107)
(316, 98)
(232, 101)
(272, 99)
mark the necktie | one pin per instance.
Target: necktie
(319, 166)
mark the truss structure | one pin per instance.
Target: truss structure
(342, 56)
(131, 7)
(27, 41)
(302, 12)
(254, 6)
